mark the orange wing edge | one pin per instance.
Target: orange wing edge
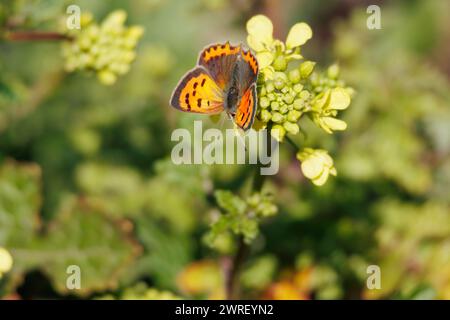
(246, 111)
(215, 107)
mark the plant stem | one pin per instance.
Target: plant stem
(35, 36)
(232, 267)
(292, 143)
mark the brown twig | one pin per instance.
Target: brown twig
(35, 36)
(232, 270)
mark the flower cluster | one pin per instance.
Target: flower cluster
(6, 261)
(317, 165)
(287, 90)
(241, 217)
(107, 49)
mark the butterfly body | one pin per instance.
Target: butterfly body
(223, 80)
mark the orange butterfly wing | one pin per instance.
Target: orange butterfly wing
(198, 92)
(220, 60)
(252, 62)
(246, 110)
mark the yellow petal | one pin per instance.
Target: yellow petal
(269, 73)
(312, 167)
(339, 99)
(298, 35)
(255, 43)
(260, 27)
(6, 261)
(321, 101)
(334, 124)
(333, 171)
(264, 58)
(320, 181)
(324, 157)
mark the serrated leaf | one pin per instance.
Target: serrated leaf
(84, 237)
(19, 203)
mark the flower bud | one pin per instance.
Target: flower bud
(275, 105)
(306, 68)
(277, 117)
(333, 71)
(291, 127)
(294, 76)
(264, 102)
(298, 88)
(293, 115)
(265, 115)
(280, 63)
(278, 132)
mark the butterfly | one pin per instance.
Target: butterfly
(223, 80)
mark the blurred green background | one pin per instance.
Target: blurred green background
(86, 176)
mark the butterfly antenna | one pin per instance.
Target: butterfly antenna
(221, 122)
(240, 136)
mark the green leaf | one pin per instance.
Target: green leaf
(166, 253)
(229, 202)
(20, 202)
(82, 236)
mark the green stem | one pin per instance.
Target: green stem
(233, 267)
(292, 143)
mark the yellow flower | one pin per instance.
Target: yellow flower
(298, 35)
(325, 107)
(260, 39)
(6, 261)
(260, 30)
(316, 165)
(329, 123)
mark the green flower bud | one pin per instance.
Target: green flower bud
(294, 76)
(264, 102)
(293, 115)
(107, 77)
(271, 97)
(284, 89)
(283, 108)
(270, 87)
(291, 127)
(306, 68)
(277, 117)
(298, 88)
(262, 92)
(298, 104)
(333, 71)
(275, 105)
(278, 132)
(288, 98)
(304, 95)
(265, 115)
(279, 83)
(280, 63)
